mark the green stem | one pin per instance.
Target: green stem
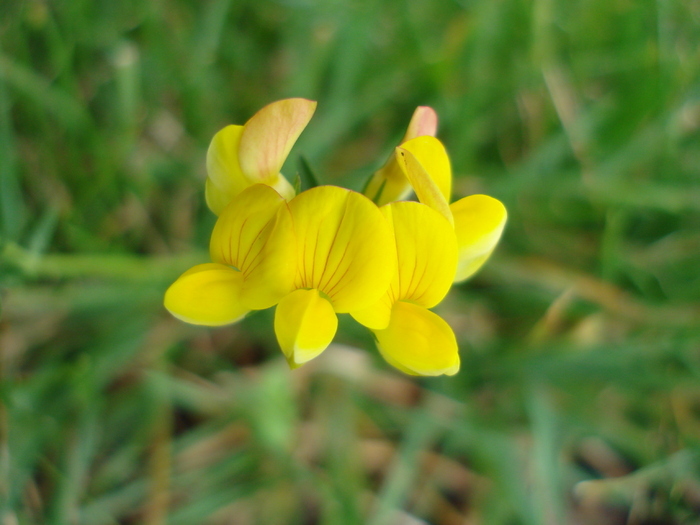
(108, 266)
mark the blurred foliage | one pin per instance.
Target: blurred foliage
(579, 396)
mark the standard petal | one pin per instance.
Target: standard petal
(424, 122)
(255, 235)
(418, 342)
(344, 246)
(427, 190)
(305, 324)
(225, 178)
(426, 250)
(479, 223)
(269, 135)
(207, 294)
(432, 156)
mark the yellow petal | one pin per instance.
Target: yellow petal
(427, 190)
(479, 222)
(432, 156)
(283, 187)
(305, 325)
(423, 122)
(225, 178)
(207, 294)
(426, 250)
(269, 135)
(418, 342)
(255, 234)
(376, 316)
(344, 246)
(389, 184)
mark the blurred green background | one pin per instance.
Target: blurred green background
(578, 401)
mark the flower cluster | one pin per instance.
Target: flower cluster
(328, 250)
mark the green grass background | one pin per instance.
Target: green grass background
(579, 396)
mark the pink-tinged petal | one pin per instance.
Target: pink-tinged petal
(423, 122)
(269, 135)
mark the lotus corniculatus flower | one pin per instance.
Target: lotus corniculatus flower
(240, 156)
(330, 250)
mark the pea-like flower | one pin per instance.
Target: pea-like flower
(330, 250)
(240, 156)
(409, 336)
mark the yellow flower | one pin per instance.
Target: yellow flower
(389, 183)
(345, 262)
(409, 336)
(478, 219)
(240, 156)
(254, 262)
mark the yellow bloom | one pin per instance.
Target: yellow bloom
(240, 156)
(478, 219)
(409, 336)
(254, 262)
(345, 262)
(389, 183)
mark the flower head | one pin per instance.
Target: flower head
(330, 250)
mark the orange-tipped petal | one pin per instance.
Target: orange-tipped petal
(269, 135)
(423, 122)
